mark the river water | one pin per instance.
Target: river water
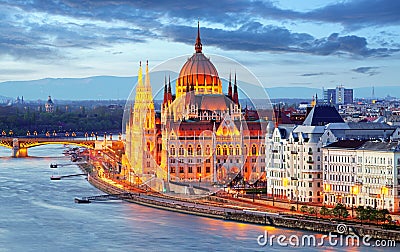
(37, 214)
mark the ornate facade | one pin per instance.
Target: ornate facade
(200, 134)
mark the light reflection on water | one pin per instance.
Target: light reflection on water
(37, 214)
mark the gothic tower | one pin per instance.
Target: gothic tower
(143, 130)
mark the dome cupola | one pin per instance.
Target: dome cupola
(198, 73)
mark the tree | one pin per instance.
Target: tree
(292, 208)
(312, 210)
(304, 209)
(324, 211)
(362, 213)
(340, 211)
(382, 215)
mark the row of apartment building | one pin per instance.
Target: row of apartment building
(328, 161)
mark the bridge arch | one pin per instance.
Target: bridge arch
(20, 146)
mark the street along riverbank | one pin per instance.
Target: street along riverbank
(215, 207)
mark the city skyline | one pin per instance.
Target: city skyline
(354, 43)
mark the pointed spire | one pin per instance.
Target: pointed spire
(169, 85)
(147, 81)
(140, 75)
(235, 92)
(165, 90)
(198, 45)
(230, 86)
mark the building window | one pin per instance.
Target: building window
(198, 150)
(190, 169)
(254, 150)
(231, 150)
(225, 150)
(181, 170)
(172, 169)
(218, 149)
(208, 150)
(245, 149)
(208, 160)
(237, 150)
(172, 150)
(207, 169)
(172, 160)
(181, 150)
(190, 150)
(309, 184)
(262, 150)
(199, 169)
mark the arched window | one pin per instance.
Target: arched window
(262, 149)
(245, 149)
(172, 150)
(231, 150)
(181, 150)
(148, 146)
(198, 150)
(218, 149)
(208, 150)
(190, 150)
(254, 150)
(225, 150)
(238, 149)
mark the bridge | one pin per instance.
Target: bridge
(20, 146)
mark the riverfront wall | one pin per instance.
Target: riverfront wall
(286, 221)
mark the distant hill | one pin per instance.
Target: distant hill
(119, 88)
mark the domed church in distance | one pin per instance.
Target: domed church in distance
(201, 136)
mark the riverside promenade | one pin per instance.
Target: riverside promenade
(237, 210)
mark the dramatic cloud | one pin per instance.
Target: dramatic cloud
(358, 13)
(42, 29)
(254, 36)
(366, 70)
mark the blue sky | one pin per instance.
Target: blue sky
(284, 43)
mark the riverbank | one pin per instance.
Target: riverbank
(214, 207)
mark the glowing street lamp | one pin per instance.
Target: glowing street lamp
(28, 133)
(354, 190)
(384, 191)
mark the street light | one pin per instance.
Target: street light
(353, 192)
(384, 191)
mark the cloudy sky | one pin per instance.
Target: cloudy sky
(311, 43)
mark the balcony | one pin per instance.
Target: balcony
(293, 152)
(310, 161)
(275, 151)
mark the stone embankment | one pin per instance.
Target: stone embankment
(253, 217)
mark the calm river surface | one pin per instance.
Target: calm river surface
(37, 214)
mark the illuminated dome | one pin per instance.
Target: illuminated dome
(198, 73)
